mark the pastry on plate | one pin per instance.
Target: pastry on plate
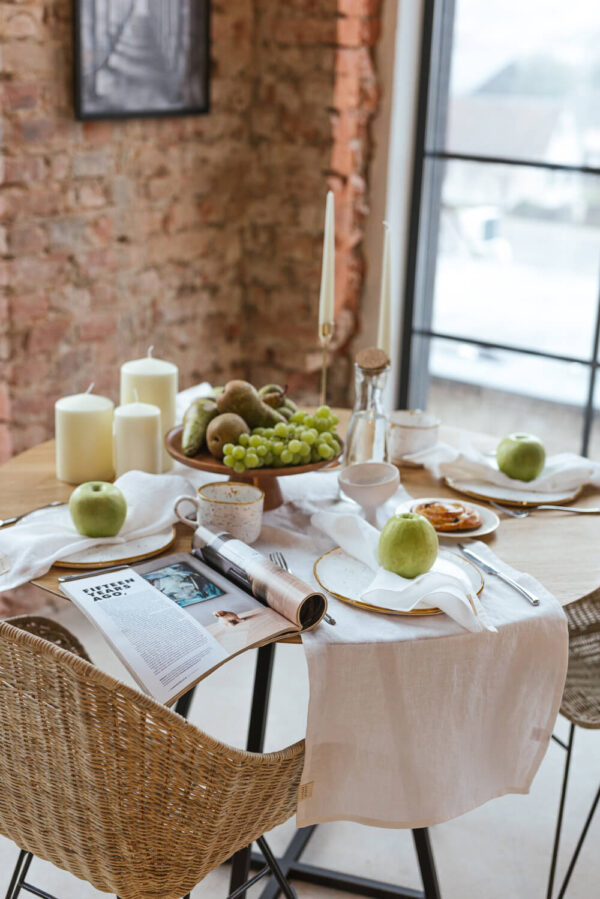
(446, 515)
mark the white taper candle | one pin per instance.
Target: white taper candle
(384, 331)
(327, 295)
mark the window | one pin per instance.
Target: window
(503, 277)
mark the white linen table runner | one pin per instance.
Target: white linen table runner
(413, 721)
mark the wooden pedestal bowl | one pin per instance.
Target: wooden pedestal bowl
(267, 479)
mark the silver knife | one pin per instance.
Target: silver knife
(470, 554)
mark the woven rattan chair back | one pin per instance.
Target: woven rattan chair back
(115, 788)
(581, 698)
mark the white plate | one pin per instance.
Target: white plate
(489, 519)
(346, 578)
(510, 496)
(113, 553)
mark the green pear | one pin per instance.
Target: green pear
(225, 428)
(408, 545)
(241, 398)
(273, 395)
(195, 423)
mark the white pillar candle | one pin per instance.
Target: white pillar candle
(138, 438)
(327, 295)
(84, 438)
(152, 381)
(384, 332)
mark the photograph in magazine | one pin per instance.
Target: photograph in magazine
(234, 620)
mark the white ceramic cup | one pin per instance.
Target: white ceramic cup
(229, 506)
(410, 431)
(370, 484)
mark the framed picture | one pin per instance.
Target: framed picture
(141, 58)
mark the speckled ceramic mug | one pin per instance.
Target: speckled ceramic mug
(230, 506)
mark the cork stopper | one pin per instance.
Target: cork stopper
(372, 359)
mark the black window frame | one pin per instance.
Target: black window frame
(429, 163)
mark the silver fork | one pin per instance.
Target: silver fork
(523, 513)
(281, 560)
(15, 518)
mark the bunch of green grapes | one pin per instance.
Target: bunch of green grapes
(305, 439)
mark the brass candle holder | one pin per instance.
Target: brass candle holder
(325, 335)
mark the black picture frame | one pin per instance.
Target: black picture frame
(141, 58)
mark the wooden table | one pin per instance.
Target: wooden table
(557, 548)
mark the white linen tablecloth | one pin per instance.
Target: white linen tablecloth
(413, 721)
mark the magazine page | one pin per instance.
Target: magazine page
(163, 647)
(173, 620)
(281, 590)
(235, 619)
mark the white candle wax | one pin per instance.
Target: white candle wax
(84, 441)
(384, 332)
(327, 295)
(138, 438)
(152, 381)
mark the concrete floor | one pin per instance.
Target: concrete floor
(500, 851)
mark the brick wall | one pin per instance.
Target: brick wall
(200, 235)
(316, 93)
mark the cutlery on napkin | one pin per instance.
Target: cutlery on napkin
(32, 546)
(470, 553)
(565, 471)
(439, 587)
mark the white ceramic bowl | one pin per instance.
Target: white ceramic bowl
(370, 484)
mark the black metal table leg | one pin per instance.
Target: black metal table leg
(240, 862)
(182, 706)
(561, 808)
(431, 887)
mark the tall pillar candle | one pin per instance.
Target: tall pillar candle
(153, 381)
(138, 438)
(84, 438)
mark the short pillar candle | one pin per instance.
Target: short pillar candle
(138, 438)
(84, 438)
(152, 381)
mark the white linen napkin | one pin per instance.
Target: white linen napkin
(565, 471)
(442, 586)
(29, 549)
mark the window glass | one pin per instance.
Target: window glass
(525, 80)
(518, 255)
(496, 392)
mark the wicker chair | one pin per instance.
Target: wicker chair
(117, 789)
(580, 706)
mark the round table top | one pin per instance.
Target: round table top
(557, 548)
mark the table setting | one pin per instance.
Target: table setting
(436, 673)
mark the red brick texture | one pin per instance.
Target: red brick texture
(200, 235)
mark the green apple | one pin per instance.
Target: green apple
(98, 509)
(521, 456)
(408, 544)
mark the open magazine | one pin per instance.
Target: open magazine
(174, 619)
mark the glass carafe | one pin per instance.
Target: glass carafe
(367, 431)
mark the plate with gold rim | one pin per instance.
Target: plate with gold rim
(347, 578)
(510, 496)
(120, 553)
